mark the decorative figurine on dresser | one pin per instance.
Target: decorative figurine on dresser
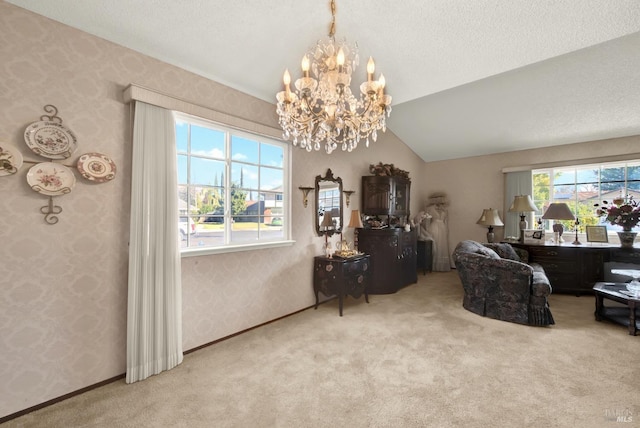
(387, 234)
(345, 272)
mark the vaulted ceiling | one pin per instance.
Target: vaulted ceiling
(468, 77)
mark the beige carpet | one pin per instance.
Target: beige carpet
(412, 359)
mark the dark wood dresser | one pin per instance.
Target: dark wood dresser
(333, 276)
(575, 269)
(393, 257)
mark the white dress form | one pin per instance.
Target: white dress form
(439, 230)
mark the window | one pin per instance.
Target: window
(233, 189)
(581, 187)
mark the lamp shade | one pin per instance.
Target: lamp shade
(558, 211)
(490, 217)
(355, 220)
(327, 222)
(522, 204)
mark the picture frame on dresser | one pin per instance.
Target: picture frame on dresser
(533, 236)
(597, 234)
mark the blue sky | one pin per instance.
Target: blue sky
(257, 164)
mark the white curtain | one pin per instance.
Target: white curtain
(154, 313)
(517, 183)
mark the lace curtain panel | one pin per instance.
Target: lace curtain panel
(154, 312)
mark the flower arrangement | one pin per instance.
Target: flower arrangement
(623, 212)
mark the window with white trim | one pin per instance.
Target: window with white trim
(583, 186)
(233, 187)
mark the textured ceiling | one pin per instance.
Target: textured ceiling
(467, 77)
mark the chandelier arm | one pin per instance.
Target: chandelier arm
(316, 113)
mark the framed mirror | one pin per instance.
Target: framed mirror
(329, 211)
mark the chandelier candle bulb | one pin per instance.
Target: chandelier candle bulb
(340, 60)
(305, 66)
(381, 83)
(287, 80)
(371, 67)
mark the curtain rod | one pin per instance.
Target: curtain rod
(135, 92)
(577, 162)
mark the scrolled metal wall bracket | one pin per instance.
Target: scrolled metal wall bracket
(53, 110)
(347, 194)
(51, 212)
(305, 194)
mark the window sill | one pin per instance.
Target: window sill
(195, 252)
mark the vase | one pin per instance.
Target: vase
(627, 238)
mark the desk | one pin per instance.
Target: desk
(342, 277)
(618, 293)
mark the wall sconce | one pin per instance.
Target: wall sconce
(305, 194)
(348, 194)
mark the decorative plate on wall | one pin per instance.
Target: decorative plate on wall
(96, 167)
(51, 179)
(50, 139)
(10, 159)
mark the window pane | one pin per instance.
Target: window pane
(186, 200)
(244, 150)
(211, 201)
(207, 142)
(563, 193)
(612, 178)
(633, 179)
(272, 228)
(273, 209)
(212, 218)
(182, 136)
(587, 182)
(633, 172)
(238, 202)
(564, 176)
(541, 190)
(182, 169)
(182, 200)
(271, 179)
(244, 176)
(244, 230)
(271, 155)
(206, 171)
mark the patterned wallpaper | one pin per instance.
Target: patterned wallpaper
(64, 287)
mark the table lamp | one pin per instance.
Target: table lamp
(327, 221)
(522, 204)
(490, 218)
(356, 222)
(558, 211)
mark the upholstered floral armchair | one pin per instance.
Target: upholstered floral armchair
(499, 283)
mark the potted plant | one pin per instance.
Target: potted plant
(623, 212)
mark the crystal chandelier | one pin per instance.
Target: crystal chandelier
(322, 109)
